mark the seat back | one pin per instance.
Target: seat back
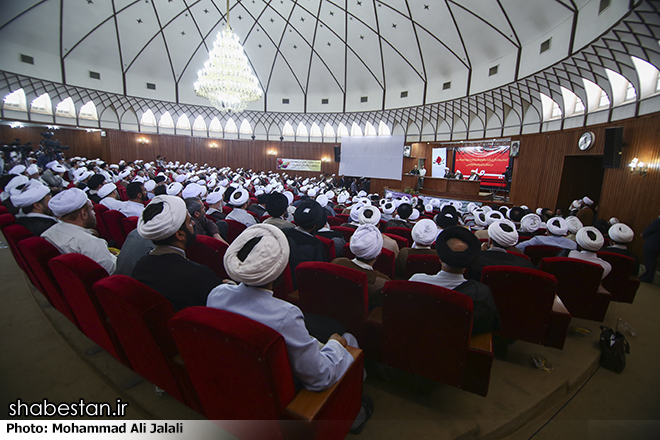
(6, 220)
(422, 263)
(264, 217)
(385, 263)
(335, 221)
(343, 217)
(282, 289)
(577, 286)
(239, 367)
(209, 252)
(524, 299)
(329, 246)
(3, 209)
(234, 229)
(518, 254)
(13, 234)
(38, 252)
(402, 242)
(227, 209)
(535, 253)
(334, 291)
(620, 282)
(347, 232)
(101, 227)
(139, 316)
(113, 219)
(401, 232)
(76, 275)
(129, 224)
(426, 330)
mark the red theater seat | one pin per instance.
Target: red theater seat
(422, 263)
(234, 229)
(209, 252)
(6, 220)
(101, 227)
(240, 370)
(129, 224)
(334, 221)
(401, 232)
(525, 300)
(346, 231)
(385, 263)
(402, 242)
(536, 253)
(620, 282)
(113, 220)
(329, 246)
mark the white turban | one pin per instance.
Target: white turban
(174, 188)
(480, 218)
(620, 233)
(530, 223)
(311, 192)
(428, 208)
(486, 208)
(67, 201)
(16, 181)
(366, 242)
(557, 226)
(239, 197)
(33, 192)
(264, 261)
(289, 196)
(424, 232)
(588, 243)
(414, 215)
(180, 178)
(498, 232)
(58, 168)
(355, 212)
(539, 211)
(149, 185)
(341, 198)
(322, 200)
(493, 216)
(587, 200)
(614, 221)
(124, 174)
(369, 215)
(388, 208)
(471, 207)
(330, 195)
(106, 189)
(215, 197)
(574, 224)
(32, 169)
(362, 193)
(165, 223)
(18, 169)
(192, 190)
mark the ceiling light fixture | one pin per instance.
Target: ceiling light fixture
(227, 79)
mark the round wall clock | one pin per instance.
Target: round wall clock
(586, 140)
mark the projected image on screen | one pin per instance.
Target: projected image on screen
(491, 159)
(379, 157)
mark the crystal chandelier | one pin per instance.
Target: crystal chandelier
(227, 79)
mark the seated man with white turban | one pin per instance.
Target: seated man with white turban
(574, 225)
(586, 213)
(458, 248)
(557, 230)
(621, 234)
(239, 199)
(167, 223)
(110, 197)
(488, 217)
(366, 244)
(72, 234)
(590, 241)
(502, 235)
(33, 198)
(370, 215)
(215, 205)
(303, 245)
(423, 234)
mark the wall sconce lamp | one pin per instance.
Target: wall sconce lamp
(272, 152)
(213, 145)
(637, 167)
(143, 140)
(325, 159)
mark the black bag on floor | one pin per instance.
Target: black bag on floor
(613, 349)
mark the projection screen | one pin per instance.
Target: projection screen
(379, 157)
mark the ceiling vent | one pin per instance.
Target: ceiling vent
(446, 85)
(364, 99)
(325, 101)
(545, 46)
(151, 86)
(27, 59)
(285, 100)
(493, 70)
(404, 94)
(94, 75)
(603, 5)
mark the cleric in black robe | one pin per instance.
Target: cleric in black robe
(502, 235)
(458, 248)
(303, 245)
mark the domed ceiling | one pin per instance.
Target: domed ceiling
(309, 55)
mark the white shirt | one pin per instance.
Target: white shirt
(242, 216)
(130, 209)
(444, 279)
(422, 172)
(69, 238)
(317, 367)
(591, 257)
(112, 203)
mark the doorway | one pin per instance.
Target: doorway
(581, 176)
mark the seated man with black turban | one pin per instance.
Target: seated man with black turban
(167, 223)
(458, 248)
(366, 244)
(304, 246)
(403, 212)
(502, 235)
(276, 206)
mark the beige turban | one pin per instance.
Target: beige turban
(424, 232)
(574, 224)
(369, 215)
(33, 192)
(530, 223)
(165, 223)
(503, 232)
(590, 239)
(258, 256)
(67, 201)
(366, 242)
(619, 232)
(557, 226)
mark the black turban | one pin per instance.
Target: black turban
(447, 218)
(95, 181)
(310, 214)
(404, 210)
(516, 214)
(458, 259)
(276, 204)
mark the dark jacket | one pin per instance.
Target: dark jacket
(652, 236)
(302, 247)
(36, 225)
(485, 318)
(496, 258)
(625, 253)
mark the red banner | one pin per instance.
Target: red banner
(493, 160)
